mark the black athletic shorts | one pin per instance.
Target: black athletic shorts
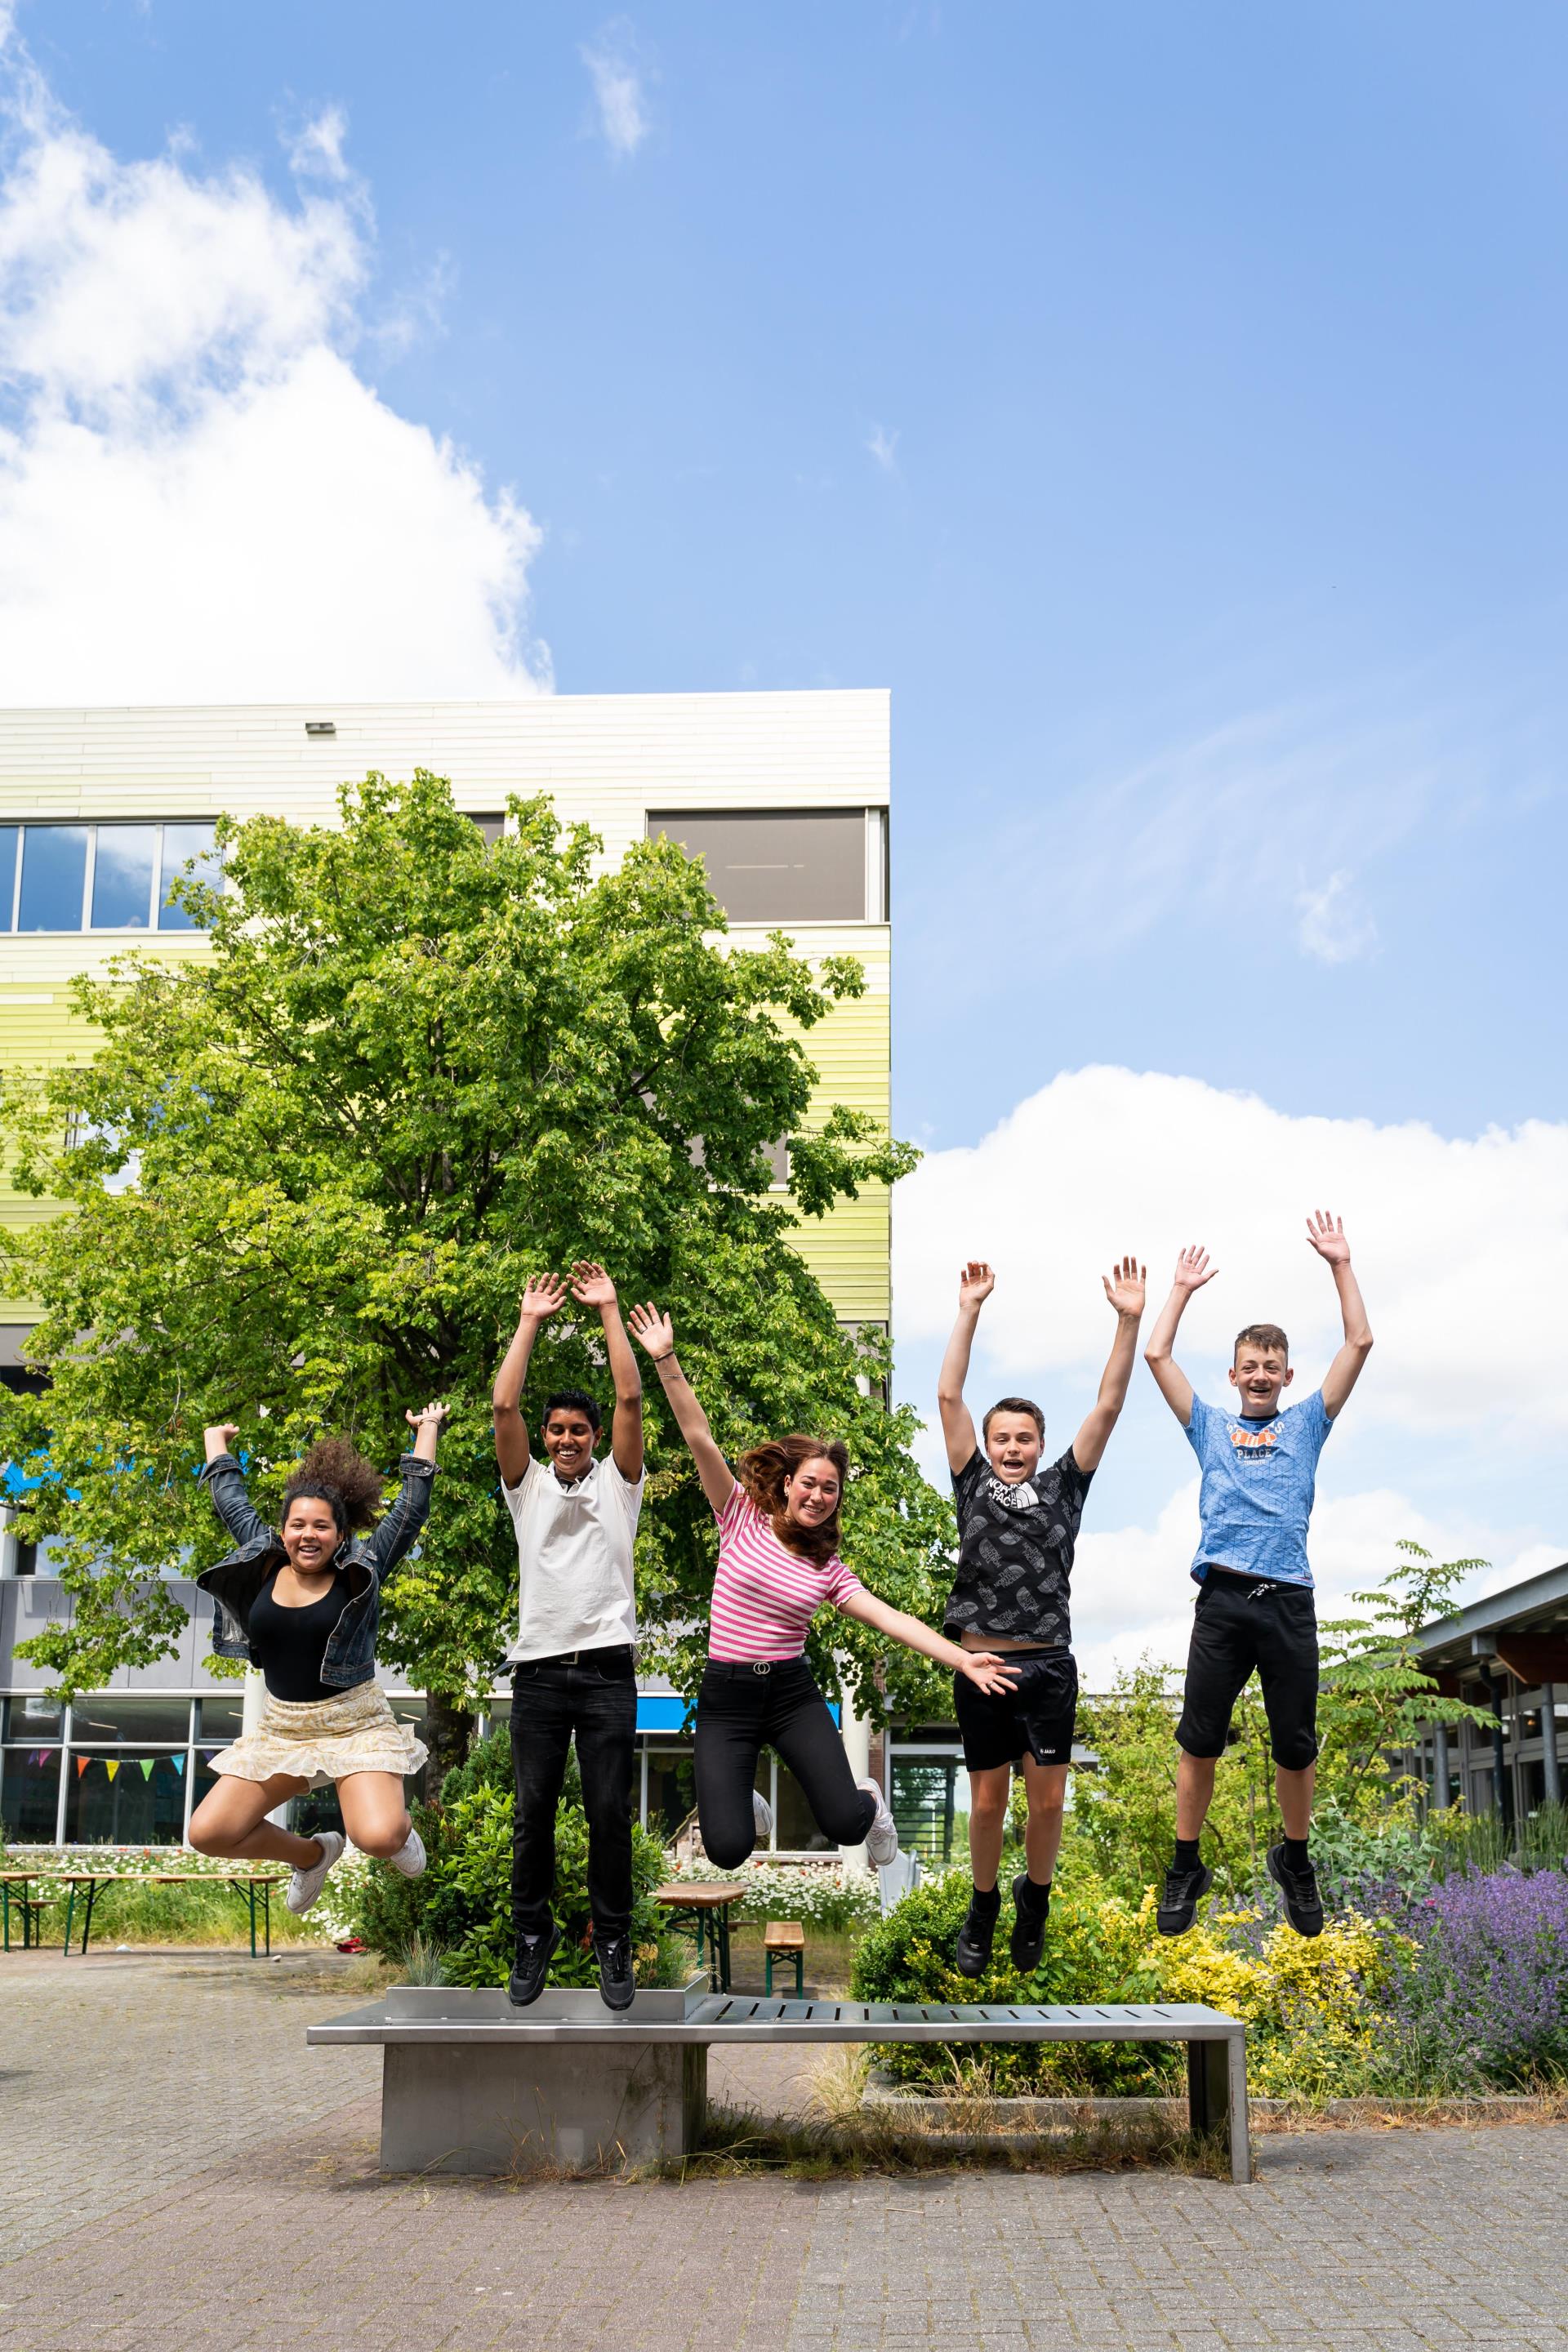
(1035, 1717)
(1245, 1622)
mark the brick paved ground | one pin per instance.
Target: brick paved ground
(1351, 2241)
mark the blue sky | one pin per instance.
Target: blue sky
(1165, 403)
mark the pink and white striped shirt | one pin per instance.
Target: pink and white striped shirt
(765, 1595)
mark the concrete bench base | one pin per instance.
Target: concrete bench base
(471, 2084)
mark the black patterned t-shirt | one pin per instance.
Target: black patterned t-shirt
(1015, 1550)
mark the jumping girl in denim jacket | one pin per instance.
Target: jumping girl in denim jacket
(301, 1604)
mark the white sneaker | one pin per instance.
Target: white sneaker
(763, 1815)
(306, 1885)
(882, 1837)
(410, 1856)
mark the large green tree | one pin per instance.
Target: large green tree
(301, 1180)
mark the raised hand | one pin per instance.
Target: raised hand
(1126, 1288)
(430, 1416)
(1327, 1236)
(218, 1438)
(975, 1284)
(988, 1672)
(591, 1285)
(1193, 1269)
(651, 1330)
(543, 1294)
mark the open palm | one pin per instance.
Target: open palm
(651, 1330)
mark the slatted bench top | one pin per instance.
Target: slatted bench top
(441, 2013)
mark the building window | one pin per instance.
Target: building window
(800, 866)
(492, 827)
(99, 878)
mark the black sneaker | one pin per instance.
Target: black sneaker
(1303, 1904)
(975, 1940)
(617, 1986)
(1185, 1890)
(1030, 1908)
(531, 1966)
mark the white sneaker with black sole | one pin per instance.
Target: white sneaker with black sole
(763, 1815)
(410, 1856)
(882, 1837)
(306, 1885)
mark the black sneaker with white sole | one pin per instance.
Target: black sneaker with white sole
(531, 1966)
(617, 1986)
(1030, 1907)
(975, 1938)
(1185, 1890)
(1303, 1904)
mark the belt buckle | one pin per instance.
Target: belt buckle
(762, 1666)
(571, 1657)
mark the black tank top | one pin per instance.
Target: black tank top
(289, 1644)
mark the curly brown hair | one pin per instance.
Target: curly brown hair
(763, 1473)
(336, 1472)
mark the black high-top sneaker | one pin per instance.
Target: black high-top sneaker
(975, 1938)
(1031, 1906)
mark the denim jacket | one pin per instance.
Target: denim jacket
(236, 1580)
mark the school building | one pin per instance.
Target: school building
(1508, 1654)
(785, 795)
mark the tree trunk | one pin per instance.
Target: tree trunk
(449, 1735)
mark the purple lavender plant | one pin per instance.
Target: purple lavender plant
(1486, 2000)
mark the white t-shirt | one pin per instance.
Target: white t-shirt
(574, 1588)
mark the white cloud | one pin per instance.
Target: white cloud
(1333, 927)
(1461, 1245)
(616, 73)
(200, 497)
(317, 149)
(883, 446)
(1132, 1595)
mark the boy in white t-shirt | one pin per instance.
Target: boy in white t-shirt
(573, 1667)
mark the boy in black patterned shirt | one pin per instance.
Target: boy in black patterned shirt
(1018, 1525)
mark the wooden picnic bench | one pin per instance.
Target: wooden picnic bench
(471, 2084)
(785, 1939)
(705, 1903)
(17, 1887)
(245, 1883)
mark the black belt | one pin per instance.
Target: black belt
(579, 1657)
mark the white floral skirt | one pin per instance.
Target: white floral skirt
(323, 1739)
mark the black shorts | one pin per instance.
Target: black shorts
(1245, 1622)
(1035, 1717)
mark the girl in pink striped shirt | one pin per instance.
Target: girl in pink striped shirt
(778, 1563)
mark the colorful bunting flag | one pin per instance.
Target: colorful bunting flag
(81, 1764)
(147, 1763)
(178, 1762)
(112, 1768)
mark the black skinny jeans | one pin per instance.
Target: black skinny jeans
(597, 1700)
(742, 1708)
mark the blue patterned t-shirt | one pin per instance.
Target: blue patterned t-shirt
(1258, 1480)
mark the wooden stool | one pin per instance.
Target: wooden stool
(785, 1939)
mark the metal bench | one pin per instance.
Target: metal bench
(470, 2085)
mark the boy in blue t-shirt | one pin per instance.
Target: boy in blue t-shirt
(1254, 1589)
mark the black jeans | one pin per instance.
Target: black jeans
(742, 1708)
(597, 1702)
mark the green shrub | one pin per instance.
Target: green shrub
(463, 1902)
(1095, 1951)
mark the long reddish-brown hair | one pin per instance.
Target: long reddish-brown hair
(763, 1472)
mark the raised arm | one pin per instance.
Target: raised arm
(975, 1285)
(392, 1534)
(225, 1483)
(655, 1333)
(539, 1302)
(1125, 1288)
(1327, 1236)
(591, 1287)
(1193, 1270)
(982, 1667)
